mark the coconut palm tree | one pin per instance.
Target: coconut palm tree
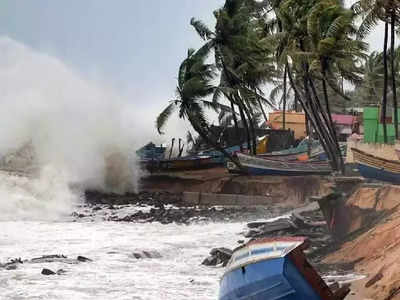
(315, 46)
(333, 53)
(241, 58)
(195, 78)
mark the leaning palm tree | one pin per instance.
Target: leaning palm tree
(333, 53)
(241, 58)
(195, 78)
(306, 29)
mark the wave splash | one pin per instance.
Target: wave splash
(57, 130)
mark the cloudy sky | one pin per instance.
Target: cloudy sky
(134, 46)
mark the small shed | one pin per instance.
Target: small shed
(344, 125)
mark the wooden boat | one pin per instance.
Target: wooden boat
(374, 167)
(261, 166)
(317, 154)
(274, 268)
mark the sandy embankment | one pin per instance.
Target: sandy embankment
(376, 251)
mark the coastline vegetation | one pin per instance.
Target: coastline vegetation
(304, 52)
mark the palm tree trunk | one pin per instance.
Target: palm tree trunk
(308, 134)
(284, 99)
(385, 83)
(235, 121)
(327, 131)
(392, 49)
(172, 147)
(333, 131)
(253, 137)
(245, 125)
(262, 110)
(253, 126)
(313, 117)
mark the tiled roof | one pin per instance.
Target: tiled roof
(343, 119)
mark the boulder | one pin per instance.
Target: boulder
(83, 259)
(210, 261)
(218, 256)
(48, 272)
(10, 267)
(146, 254)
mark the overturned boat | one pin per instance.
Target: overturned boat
(274, 268)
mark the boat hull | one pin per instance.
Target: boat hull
(277, 172)
(374, 167)
(273, 268)
(262, 166)
(378, 174)
(269, 279)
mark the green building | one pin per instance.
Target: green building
(373, 130)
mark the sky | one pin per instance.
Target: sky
(133, 46)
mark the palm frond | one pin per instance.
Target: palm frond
(164, 116)
(201, 29)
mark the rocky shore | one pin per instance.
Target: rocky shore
(275, 221)
(165, 208)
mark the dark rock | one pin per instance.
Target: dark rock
(11, 267)
(48, 272)
(83, 259)
(218, 256)
(48, 258)
(61, 272)
(152, 254)
(146, 254)
(374, 279)
(210, 261)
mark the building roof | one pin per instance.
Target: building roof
(343, 119)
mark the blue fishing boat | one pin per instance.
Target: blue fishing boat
(272, 269)
(253, 165)
(374, 167)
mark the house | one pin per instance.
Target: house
(345, 125)
(295, 121)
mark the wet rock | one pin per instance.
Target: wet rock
(210, 261)
(61, 272)
(83, 259)
(53, 258)
(146, 254)
(152, 254)
(374, 279)
(48, 258)
(48, 272)
(218, 256)
(12, 264)
(11, 267)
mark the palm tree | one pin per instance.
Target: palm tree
(241, 58)
(333, 51)
(195, 78)
(315, 45)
